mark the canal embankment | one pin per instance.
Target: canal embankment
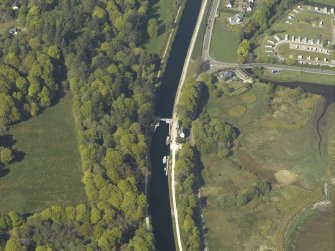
(158, 192)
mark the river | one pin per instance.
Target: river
(159, 203)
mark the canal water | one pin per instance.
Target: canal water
(159, 203)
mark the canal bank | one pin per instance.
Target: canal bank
(158, 195)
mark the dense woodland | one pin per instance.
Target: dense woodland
(186, 197)
(94, 48)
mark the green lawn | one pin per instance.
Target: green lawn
(50, 171)
(224, 43)
(163, 9)
(4, 27)
(296, 76)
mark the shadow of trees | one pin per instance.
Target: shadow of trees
(3, 171)
(8, 141)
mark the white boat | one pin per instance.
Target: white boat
(167, 140)
(156, 125)
(164, 159)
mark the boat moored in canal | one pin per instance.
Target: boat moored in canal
(167, 140)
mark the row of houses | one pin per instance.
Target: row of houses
(250, 4)
(324, 10)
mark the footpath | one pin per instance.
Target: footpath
(174, 147)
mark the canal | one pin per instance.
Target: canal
(159, 203)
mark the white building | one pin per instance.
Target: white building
(236, 19)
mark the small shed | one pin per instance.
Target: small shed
(181, 132)
(250, 5)
(16, 5)
(13, 31)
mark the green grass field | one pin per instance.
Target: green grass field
(224, 43)
(163, 9)
(50, 171)
(296, 171)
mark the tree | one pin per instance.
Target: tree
(16, 218)
(14, 245)
(152, 27)
(243, 51)
(95, 215)
(5, 222)
(6, 155)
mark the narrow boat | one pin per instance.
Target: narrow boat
(167, 140)
(156, 125)
(164, 160)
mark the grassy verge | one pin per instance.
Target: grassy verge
(224, 43)
(163, 9)
(296, 76)
(50, 170)
(200, 38)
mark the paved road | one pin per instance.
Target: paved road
(209, 30)
(215, 65)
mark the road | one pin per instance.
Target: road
(333, 28)
(215, 65)
(209, 30)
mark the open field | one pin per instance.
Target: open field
(163, 9)
(297, 76)
(224, 43)
(296, 172)
(4, 27)
(50, 171)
